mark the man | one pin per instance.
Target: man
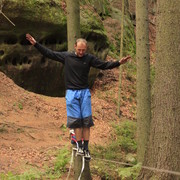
(78, 97)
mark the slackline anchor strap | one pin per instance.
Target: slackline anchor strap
(1, 12)
(71, 162)
(83, 166)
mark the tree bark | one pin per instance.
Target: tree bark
(164, 144)
(73, 22)
(143, 77)
(78, 162)
(121, 55)
(126, 8)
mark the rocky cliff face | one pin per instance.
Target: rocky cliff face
(46, 21)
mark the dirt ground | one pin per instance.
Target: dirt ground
(32, 124)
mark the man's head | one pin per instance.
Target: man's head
(80, 47)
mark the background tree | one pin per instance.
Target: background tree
(121, 55)
(164, 144)
(143, 77)
(73, 22)
(126, 8)
(73, 32)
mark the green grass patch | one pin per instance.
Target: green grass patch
(62, 160)
(126, 132)
(31, 174)
(63, 128)
(121, 148)
(19, 105)
(129, 172)
(55, 172)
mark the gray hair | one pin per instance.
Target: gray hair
(80, 40)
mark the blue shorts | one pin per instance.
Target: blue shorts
(78, 105)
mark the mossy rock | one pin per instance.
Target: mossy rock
(46, 21)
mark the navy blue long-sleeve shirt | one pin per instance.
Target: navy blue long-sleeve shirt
(76, 68)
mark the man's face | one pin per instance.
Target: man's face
(80, 49)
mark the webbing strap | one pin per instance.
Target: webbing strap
(71, 162)
(74, 139)
(82, 169)
(7, 18)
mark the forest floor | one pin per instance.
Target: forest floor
(32, 124)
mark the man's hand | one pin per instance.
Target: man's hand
(124, 59)
(30, 39)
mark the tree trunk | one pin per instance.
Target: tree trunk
(126, 8)
(121, 55)
(73, 22)
(143, 77)
(78, 163)
(164, 144)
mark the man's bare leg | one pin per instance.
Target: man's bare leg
(78, 134)
(86, 136)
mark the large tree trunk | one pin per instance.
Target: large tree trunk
(73, 22)
(143, 77)
(164, 146)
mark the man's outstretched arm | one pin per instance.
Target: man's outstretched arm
(100, 64)
(30, 39)
(124, 60)
(54, 55)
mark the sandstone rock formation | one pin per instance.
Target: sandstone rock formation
(46, 21)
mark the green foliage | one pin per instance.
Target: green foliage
(89, 20)
(104, 170)
(20, 106)
(112, 151)
(55, 172)
(42, 8)
(129, 172)
(63, 127)
(122, 143)
(125, 133)
(107, 9)
(129, 40)
(61, 160)
(32, 174)
(110, 171)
